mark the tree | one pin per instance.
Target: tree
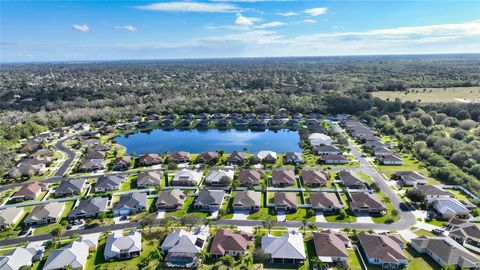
(259, 256)
(225, 181)
(304, 223)
(149, 221)
(191, 220)
(342, 215)
(268, 223)
(228, 260)
(56, 233)
(415, 195)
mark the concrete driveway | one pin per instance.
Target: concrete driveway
(161, 214)
(361, 218)
(240, 215)
(319, 217)
(281, 216)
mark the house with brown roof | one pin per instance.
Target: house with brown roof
(29, 192)
(30, 146)
(227, 242)
(208, 158)
(314, 178)
(285, 201)
(180, 157)
(385, 250)
(351, 180)
(327, 202)
(247, 200)
(331, 246)
(149, 179)
(283, 177)
(465, 233)
(96, 154)
(366, 203)
(236, 158)
(250, 177)
(172, 199)
(149, 160)
(122, 163)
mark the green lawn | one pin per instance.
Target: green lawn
(300, 215)
(353, 260)
(431, 95)
(422, 232)
(48, 228)
(262, 214)
(336, 218)
(437, 222)
(410, 163)
(389, 216)
(459, 195)
(130, 183)
(186, 206)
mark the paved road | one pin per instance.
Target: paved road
(70, 157)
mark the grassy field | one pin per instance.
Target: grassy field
(433, 95)
(410, 163)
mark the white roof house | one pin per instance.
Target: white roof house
(123, 247)
(184, 240)
(320, 139)
(18, 258)
(265, 154)
(74, 255)
(450, 208)
(286, 248)
(10, 216)
(215, 176)
(186, 175)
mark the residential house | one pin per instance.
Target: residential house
(250, 177)
(326, 150)
(333, 159)
(30, 146)
(44, 214)
(70, 187)
(30, 191)
(446, 251)
(292, 158)
(73, 256)
(465, 233)
(183, 247)
(172, 199)
(293, 122)
(314, 178)
(180, 157)
(167, 123)
(130, 203)
(10, 216)
(122, 247)
(220, 177)
(331, 246)
(122, 163)
(209, 200)
(410, 178)
(247, 200)
(89, 208)
(236, 158)
(208, 157)
(227, 242)
(265, 157)
(107, 183)
(20, 257)
(27, 170)
(285, 201)
(90, 165)
(379, 151)
(204, 123)
(187, 177)
(366, 203)
(448, 208)
(326, 202)
(432, 192)
(96, 154)
(89, 142)
(319, 139)
(391, 160)
(384, 250)
(283, 177)
(285, 249)
(351, 180)
(149, 179)
(149, 160)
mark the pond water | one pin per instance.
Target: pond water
(197, 141)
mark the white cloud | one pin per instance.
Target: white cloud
(81, 27)
(309, 21)
(190, 7)
(246, 21)
(127, 27)
(287, 14)
(316, 11)
(270, 24)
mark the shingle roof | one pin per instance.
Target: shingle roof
(206, 197)
(330, 244)
(29, 189)
(226, 240)
(382, 246)
(117, 243)
(92, 205)
(283, 176)
(8, 215)
(464, 229)
(288, 246)
(74, 254)
(131, 201)
(251, 177)
(285, 198)
(109, 181)
(314, 177)
(17, 258)
(430, 190)
(350, 178)
(247, 198)
(70, 186)
(148, 178)
(40, 212)
(325, 200)
(171, 197)
(366, 200)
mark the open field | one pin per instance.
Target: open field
(434, 95)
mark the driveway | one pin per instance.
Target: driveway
(213, 215)
(281, 216)
(117, 220)
(161, 214)
(319, 217)
(240, 215)
(364, 218)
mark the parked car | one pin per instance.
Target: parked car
(438, 231)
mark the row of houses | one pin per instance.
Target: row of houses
(444, 203)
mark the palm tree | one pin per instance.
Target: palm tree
(56, 233)
(305, 223)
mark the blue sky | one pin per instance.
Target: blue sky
(115, 30)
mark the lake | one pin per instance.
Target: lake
(198, 141)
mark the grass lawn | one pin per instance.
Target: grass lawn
(180, 213)
(417, 261)
(48, 228)
(422, 232)
(389, 216)
(353, 260)
(130, 183)
(432, 95)
(437, 222)
(336, 218)
(459, 195)
(410, 163)
(262, 214)
(300, 215)
(365, 177)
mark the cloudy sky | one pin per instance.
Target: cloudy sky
(100, 30)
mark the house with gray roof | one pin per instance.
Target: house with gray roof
(90, 165)
(182, 247)
(449, 208)
(130, 203)
(432, 192)
(248, 200)
(351, 180)
(123, 247)
(446, 251)
(107, 183)
(89, 208)
(314, 178)
(283, 177)
(250, 177)
(333, 159)
(236, 158)
(20, 257)
(172, 199)
(390, 159)
(10, 216)
(220, 177)
(209, 200)
(265, 157)
(70, 187)
(331, 246)
(326, 202)
(149, 179)
(465, 233)
(74, 255)
(410, 178)
(385, 250)
(292, 158)
(326, 150)
(45, 214)
(286, 249)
